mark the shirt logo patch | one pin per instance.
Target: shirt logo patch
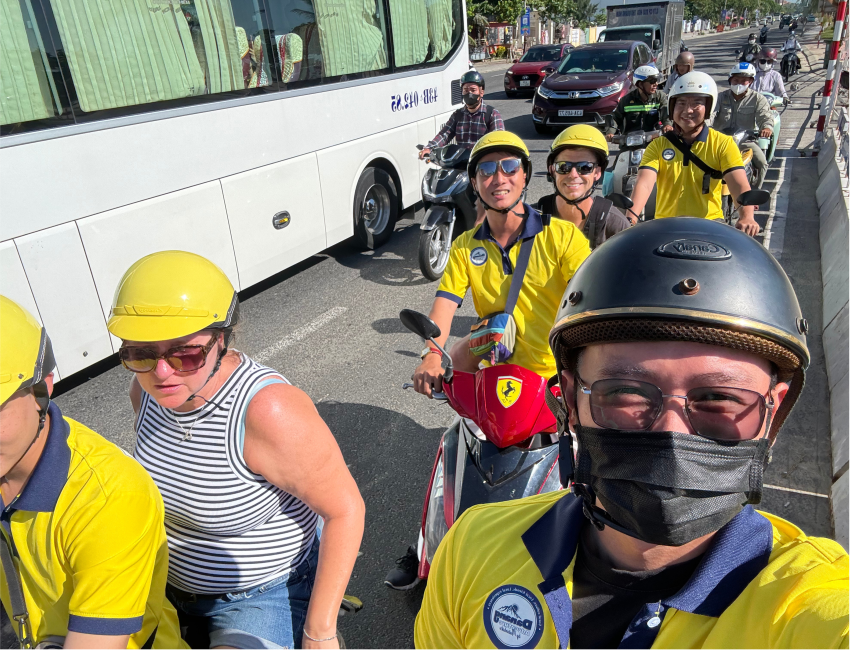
(668, 154)
(513, 617)
(478, 256)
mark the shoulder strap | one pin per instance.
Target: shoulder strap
(519, 273)
(598, 210)
(488, 110)
(689, 156)
(16, 594)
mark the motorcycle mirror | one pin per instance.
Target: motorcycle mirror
(622, 202)
(737, 52)
(753, 197)
(420, 146)
(420, 324)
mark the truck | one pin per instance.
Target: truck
(658, 24)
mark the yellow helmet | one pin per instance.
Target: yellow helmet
(580, 135)
(26, 355)
(171, 294)
(500, 141)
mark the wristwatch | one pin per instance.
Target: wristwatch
(428, 351)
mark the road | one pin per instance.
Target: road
(330, 325)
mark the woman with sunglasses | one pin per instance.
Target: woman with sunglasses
(247, 468)
(577, 159)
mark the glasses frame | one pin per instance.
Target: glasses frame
(499, 166)
(205, 350)
(767, 405)
(574, 165)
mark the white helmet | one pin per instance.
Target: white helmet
(694, 83)
(644, 72)
(742, 69)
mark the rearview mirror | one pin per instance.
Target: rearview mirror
(623, 202)
(656, 44)
(516, 60)
(737, 52)
(752, 197)
(420, 324)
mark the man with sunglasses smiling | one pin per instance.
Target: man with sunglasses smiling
(673, 396)
(483, 261)
(84, 550)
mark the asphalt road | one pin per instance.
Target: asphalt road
(330, 325)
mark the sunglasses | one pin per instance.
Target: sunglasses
(564, 167)
(182, 358)
(765, 61)
(714, 412)
(651, 80)
(509, 167)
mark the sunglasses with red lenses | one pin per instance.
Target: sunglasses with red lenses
(182, 358)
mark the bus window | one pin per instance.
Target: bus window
(28, 90)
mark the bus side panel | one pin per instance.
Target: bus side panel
(193, 220)
(340, 168)
(255, 197)
(15, 285)
(58, 272)
(427, 130)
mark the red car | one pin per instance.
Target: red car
(527, 73)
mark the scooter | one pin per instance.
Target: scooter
(740, 136)
(627, 163)
(502, 445)
(769, 145)
(449, 210)
(763, 35)
(790, 63)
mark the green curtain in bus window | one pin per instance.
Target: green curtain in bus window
(441, 25)
(221, 50)
(126, 52)
(410, 31)
(350, 36)
(24, 94)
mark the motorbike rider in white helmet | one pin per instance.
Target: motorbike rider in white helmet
(644, 108)
(740, 107)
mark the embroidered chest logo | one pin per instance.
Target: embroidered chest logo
(478, 256)
(668, 154)
(513, 617)
(508, 390)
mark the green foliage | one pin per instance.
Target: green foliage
(711, 8)
(509, 11)
(558, 11)
(600, 18)
(501, 52)
(584, 12)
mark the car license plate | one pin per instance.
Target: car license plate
(526, 82)
(570, 113)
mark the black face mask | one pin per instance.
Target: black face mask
(664, 487)
(471, 99)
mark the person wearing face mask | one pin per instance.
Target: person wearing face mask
(740, 107)
(768, 79)
(684, 64)
(644, 108)
(673, 395)
(482, 262)
(83, 545)
(577, 159)
(692, 188)
(751, 49)
(247, 468)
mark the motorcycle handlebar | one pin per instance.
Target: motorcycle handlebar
(440, 396)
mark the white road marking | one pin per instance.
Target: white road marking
(299, 334)
(785, 489)
(774, 231)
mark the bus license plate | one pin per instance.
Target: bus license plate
(525, 82)
(570, 113)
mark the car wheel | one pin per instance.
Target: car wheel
(375, 208)
(541, 128)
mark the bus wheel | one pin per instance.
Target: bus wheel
(375, 208)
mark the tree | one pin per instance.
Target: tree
(600, 18)
(584, 12)
(509, 11)
(558, 11)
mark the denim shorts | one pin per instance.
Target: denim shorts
(271, 615)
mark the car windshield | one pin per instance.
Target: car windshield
(641, 34)
(595, 60)
(540, 54)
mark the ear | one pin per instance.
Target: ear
(49, 381)
(568, 394)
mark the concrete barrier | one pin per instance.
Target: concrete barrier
(835, 269)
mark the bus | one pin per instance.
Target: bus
(256, 133)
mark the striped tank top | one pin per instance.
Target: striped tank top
(228, 528)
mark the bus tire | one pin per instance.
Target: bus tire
(375, 208)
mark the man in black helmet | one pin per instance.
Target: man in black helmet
(674, 393)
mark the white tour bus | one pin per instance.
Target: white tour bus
(253, 132)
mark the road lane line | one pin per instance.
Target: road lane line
(774, 240)
(785, 489)
(299, 334)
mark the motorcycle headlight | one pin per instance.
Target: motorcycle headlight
(634, 140)
(543, 91)
(635, 156)
(435, 520)
(610, 90)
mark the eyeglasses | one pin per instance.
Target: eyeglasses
(564, 167)
(509, 167)
(765, 61)
(182, 358)
(651, 80)
(714, 412)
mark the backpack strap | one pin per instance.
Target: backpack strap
(689, 156)
(519, 273)
(488, 116)
(596, 219)
(16, 594)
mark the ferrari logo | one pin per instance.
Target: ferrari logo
(508, 389)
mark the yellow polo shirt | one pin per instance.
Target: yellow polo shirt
(89, 542)
(478, 263)
(679, 186)
(761, 584)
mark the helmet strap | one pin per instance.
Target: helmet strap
(577, 202)
(215, 369)
(42, 398)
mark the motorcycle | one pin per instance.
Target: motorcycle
(763, 36)
(627, 163)
(740, 136)
(790, 64)
(502, 445)
(449, 209)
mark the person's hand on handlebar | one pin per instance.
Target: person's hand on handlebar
(609, 137)
(666, 128)
(428, 378)
(748, 226)
(766, 133)
(424, 153)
